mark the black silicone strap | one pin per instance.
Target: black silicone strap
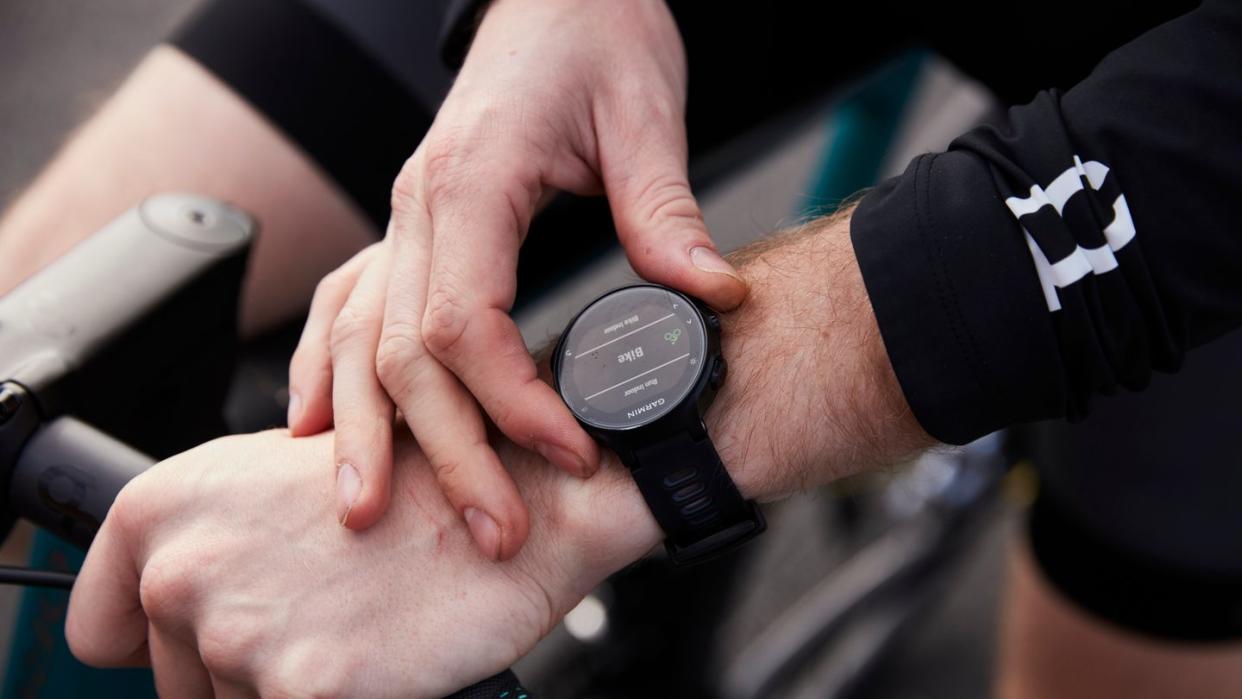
(693, 498)
(502, 686)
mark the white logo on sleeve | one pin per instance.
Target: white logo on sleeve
(1082, 261)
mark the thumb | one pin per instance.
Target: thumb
(659, 222)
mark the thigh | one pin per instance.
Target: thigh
(1140, 512)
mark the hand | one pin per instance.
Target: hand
(223, 568)
(220, 568)
(554, 95)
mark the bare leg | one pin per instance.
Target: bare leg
(173, 127)
(1050, 648)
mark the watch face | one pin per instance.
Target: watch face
(631, 357)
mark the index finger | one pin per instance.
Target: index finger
(476, 232)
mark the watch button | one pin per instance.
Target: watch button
(719, 372)
(713, 321)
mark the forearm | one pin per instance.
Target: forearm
(173, 127)
(213, 544)
(810, 396)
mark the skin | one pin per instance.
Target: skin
(173, 126)
(1051, 648)
(221, 569)
(554, 95)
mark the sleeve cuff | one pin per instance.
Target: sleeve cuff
(957, 299)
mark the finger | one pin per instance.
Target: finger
(310, 369)
(440, 412)
(106, 626)
(476, 232)
(659, 223)
(361, 409)
(179, 671)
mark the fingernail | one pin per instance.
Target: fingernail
(295, 407)
(563, 457)
(348, 486)
(485, 532)
(709, 260)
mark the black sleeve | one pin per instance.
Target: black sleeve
(1091, 237)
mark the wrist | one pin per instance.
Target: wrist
(810, 397)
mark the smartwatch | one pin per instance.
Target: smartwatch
(638, 367)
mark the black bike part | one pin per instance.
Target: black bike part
(68, 476)
(134, 329)
(31, 577)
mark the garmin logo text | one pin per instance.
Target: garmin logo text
(650, 406)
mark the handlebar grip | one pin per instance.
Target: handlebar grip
(67, 477)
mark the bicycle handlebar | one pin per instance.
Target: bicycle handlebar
(67, 477)
(95, 334)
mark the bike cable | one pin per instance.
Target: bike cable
(33, 577)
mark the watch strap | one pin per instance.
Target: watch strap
(693, 498)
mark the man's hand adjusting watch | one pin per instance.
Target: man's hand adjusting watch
(638, 367)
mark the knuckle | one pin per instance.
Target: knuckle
(331, 284)
(125, 513)
(400, 347)
(662, 106)
(444, 321)
(665, 199)
(309, 669)
(351, 325)
(447, 166)
(407, 187)
(446, 469)
(452, 468)
(507, 417)
(226, 644)
(165, 589)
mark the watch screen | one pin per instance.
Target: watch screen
(631, 357)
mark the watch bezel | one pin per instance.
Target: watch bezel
(687, 414)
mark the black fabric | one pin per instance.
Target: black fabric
(402, 36)
(333, 99)
(1157, 471)
(1108, 579)
(928, 252)
(1150, 137)
(502, 686)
